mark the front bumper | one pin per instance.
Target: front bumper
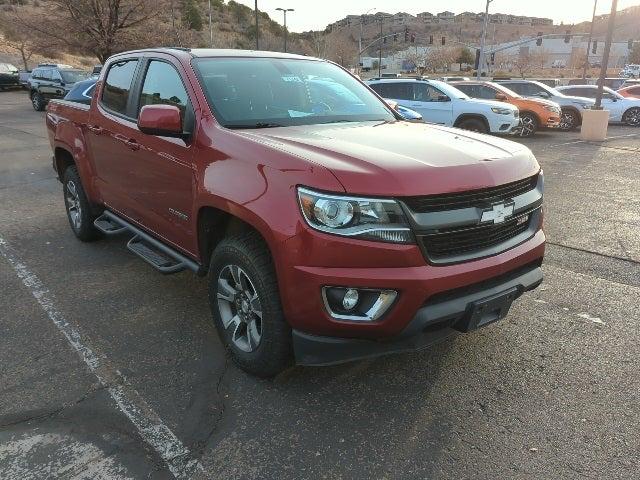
(439, 318)
(503, 123)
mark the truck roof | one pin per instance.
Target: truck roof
(218, 52)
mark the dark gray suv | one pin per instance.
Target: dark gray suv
(49, 81)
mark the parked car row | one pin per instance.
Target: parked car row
(482, 105)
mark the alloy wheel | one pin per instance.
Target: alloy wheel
(632, 117)
(527, 126)
(74, 209)
(567, 120)
(240, 308)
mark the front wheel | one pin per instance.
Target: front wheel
(474, 125)
(245, 304)
(37, 101)
(528, 125)
(568, 120)
(632, 117)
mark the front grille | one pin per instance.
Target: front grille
(473, 198)
(455, 242)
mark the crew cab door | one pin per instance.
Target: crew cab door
(163, 168)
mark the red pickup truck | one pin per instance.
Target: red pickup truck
(330, 229)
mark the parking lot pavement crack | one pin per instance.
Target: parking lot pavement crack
(583, 250)
(22, 131)
(52, 413)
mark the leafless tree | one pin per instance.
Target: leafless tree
(101, 27)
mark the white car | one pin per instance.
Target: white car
(621, 109)
(444, 104)
(632, 71)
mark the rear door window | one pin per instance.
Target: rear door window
(117, 86)
(426, 93)
(397, 90)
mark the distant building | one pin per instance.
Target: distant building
(401, 18)
(446, 17)
(428, 18)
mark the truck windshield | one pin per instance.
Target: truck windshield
(73, 76)
(271, 92)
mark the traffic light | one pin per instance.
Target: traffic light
(477, 63)
(539, 39)
(567, 37)
(430, 39)
(413, 38)
(384, 39)
(406, 34)
(395, 37)
(594, 48)
(444, 40)
(630, 44)
(493, 58)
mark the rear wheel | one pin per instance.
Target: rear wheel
(474, 125)
(37, 101)
(245, 304)
(632, 117)
(568, 120)
(528, 125)
(79, 211)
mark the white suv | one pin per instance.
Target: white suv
(621, 109)
(631, 71)
(443, 104)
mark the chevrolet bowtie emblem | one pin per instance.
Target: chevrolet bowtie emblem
(497, 213)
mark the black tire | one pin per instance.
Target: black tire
(38, 102)
(569, 119)
(528, 125)
(473, 124)
(273, 352)
(79, 210)
(632, 117)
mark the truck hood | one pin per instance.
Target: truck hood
(402, 158)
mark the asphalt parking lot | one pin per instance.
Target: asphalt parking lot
(109, 370)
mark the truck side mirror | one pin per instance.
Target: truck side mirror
(161, 120)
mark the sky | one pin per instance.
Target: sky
(317, 14)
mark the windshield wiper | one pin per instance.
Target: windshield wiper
(257, 125)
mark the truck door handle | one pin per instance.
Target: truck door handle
(95, 129)
(132, 144)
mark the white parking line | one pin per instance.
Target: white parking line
(178, 458)
(587, 141)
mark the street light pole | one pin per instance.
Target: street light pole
(257, 29)
(593, 20)
(360, 39)
(285, 10)
(210, 27)
(605, 54)
(484, 39)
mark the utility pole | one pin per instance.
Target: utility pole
(586, 60)
(484, 39)
(257, 29)
(380, 50)
(285, 10)
(605, 55)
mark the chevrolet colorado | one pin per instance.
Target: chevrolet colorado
(329, 228)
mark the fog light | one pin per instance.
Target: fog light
(350, 299)
(357, 304)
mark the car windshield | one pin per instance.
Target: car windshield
(73, 76)
(7, 67)
(270, 92)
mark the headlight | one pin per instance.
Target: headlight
(502, 111)
(551, 108)
(365, 218)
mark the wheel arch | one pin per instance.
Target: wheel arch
(63, 158)
(531, 112)
(574, 110)
(472, 116)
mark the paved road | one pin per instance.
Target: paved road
(553, 391)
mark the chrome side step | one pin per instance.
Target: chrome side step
(162, 257)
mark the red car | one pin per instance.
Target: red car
(330, 229)
(631, 91)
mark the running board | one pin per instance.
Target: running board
(162, 257)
